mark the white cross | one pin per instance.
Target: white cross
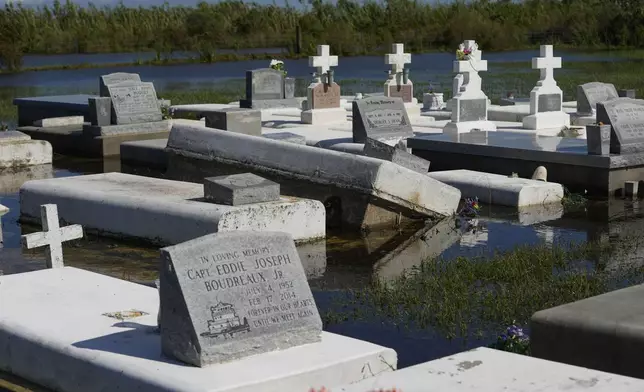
(323, 61)
(546, 63)
(52, 236)
(398, 58)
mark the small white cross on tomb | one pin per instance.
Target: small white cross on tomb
(398, 58)
(52, 236)
(546, 63)
(323, 61)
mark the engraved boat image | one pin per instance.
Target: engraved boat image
(225, 321)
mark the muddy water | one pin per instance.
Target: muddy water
(353, 260)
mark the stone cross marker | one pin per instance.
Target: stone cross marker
(626, 117)
(546, 63)
(228, 295)
(470, 68)
(398, 59)
(53, 236)
(323, 61)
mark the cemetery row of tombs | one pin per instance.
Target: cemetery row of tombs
(248, 194)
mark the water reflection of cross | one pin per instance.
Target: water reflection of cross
(323, 61)
(52, 236)
(398, 58)
(546, 63)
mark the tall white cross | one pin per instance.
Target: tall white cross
(53, 236)
(546, 63)
(323, 61)
(398, 58)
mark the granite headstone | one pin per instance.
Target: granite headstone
(472, 109)
(380, 118)
(626, 117)
(134, 103)
(264, 83)
(549, 103)
(116, 78)
(589, 94)
(228, 295)
(325, 96)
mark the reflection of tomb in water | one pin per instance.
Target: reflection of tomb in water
(426, 244)
(12, 179)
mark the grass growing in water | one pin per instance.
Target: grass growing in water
(477, 297)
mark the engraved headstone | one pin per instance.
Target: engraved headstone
(134, 103)
(380, 118)
(626, 117)
(403, 91)
(116, 78)
(472, 109)
(324, 96)
(229, 295)
(264, 83)
(589, 94)
(549, 103)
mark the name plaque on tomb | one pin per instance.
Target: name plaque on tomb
(264, 83)
(325, 96)
(402, 91)
(626, 117)
(134, 103)
(229, 295)
(549, 103)
(472, 109)
(380, 118)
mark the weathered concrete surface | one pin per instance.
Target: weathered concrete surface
(163, 211)
(605, 332)
(369, 191)
(91, 352)
(488, 370)
(70, 140)
(18, 150)
(501, 190)
(150, 153)
(12, 179)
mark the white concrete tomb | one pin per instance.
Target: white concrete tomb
(71, 330)
(18, 149)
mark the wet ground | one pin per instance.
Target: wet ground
(353, 260)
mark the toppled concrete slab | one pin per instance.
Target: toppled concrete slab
(163, 211)
(361, 190)
(501, 190)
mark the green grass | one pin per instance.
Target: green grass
(477, 297)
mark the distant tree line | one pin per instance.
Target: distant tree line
(349, 27)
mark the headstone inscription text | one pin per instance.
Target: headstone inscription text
(626, 117)
(403, 91)
(472, 109)
(265, 83)
(239, 294)
(549, 103)
(590, 94)
(325, 96)
(380, 118)
(134, 103)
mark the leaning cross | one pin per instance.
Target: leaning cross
(53, 236)
(323, 61)
(398, 58)
(546, 63)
